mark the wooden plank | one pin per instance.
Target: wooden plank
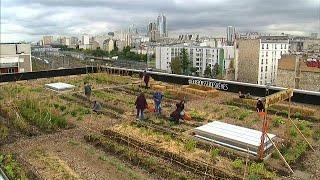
(278, 97)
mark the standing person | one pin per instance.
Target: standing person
(260, 106)
(141, 105)
(146, 78)
(141, 75)
(157, 97)
(87, 90)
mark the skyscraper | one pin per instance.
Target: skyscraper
(231, 32)
(162, 25)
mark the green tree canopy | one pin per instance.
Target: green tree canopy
(207, 72)
(176, 66)
(185, 63)
(215, 70)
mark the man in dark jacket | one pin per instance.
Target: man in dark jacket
(146, 78)
(141, 105)
(260, 106)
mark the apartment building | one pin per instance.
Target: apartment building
(199, 56)
(15, 57)
(257, 59)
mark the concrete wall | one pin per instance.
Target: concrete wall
(11, 52)
(248, 60)
(308, 80)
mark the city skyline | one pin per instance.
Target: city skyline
(206, 17)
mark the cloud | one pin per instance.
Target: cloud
(30, 19)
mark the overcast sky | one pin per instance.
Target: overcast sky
(30, 19)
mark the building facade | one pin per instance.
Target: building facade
(293, 72)
(153, 32)
(85, 40)
(47, 40)
(162, 25)
(257, 59)
(231, 34)
(200, 57)
(15, 57)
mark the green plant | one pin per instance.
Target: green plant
(4, 132)
(294, 152)
(277, 122)
(237, 163)
(40, 115)
(196, 115)
(11, 167)
(284, 112)
(258, 169)
(190, 145)
(214, 153)
(293, 132)
(244, 114)
(298, 115)
(316, 135)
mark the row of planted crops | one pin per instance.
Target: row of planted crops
(160, 147)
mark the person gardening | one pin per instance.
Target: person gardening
(87, 90)
(96, 107)
(260, 106)
(141, 105)
(179, 112)
(146, 78)
(157, 97)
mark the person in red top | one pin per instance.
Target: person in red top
(141, 105)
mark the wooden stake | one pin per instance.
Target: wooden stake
(280, 154)
(302, 134)
(297, 127)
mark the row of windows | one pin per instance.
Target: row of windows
(281, 46)
(273, 53)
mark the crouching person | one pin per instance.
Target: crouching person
(97, 108)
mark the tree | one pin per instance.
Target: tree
(215, 70)
(207, 72)
(193, 70)
(185, 63)
(176, 66)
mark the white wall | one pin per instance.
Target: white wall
(269, 55)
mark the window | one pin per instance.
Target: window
(266, 61)
(11, 70)
(267, 46)
(265, 76)
(281, 46)
(261, 69)
(275, 46)
(261, 61)
(266, 68)
(262, 46)
(267, 54)
(285, 46)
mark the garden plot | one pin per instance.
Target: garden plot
(155, 145)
